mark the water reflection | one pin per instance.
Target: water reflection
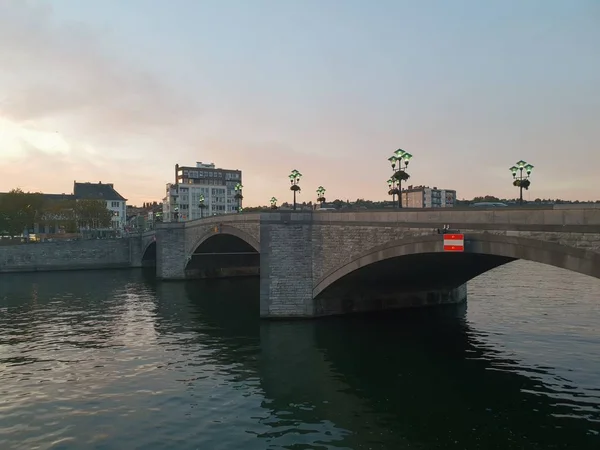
(116, 360)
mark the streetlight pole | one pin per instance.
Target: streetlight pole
(295, 181)
(201, 205)
(521, 180)
(321, 195)
(238, 195)
(402, 158)
(392, 190)
(176, 215)
(273, 203)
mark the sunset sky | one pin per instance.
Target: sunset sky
(120, 91)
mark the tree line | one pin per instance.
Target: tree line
(492, 198)
(20, 211)
(370, 204)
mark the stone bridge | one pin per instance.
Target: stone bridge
(320, 263)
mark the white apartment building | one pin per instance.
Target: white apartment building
(115, 202)
(182, 200)
(426, 197)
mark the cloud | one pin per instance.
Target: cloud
(55, 173)
(65, 93)
(73, 106)
(63, 72)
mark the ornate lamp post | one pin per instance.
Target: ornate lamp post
(393, 189)
(520, 180)
(201, 205)
(238, 195)
(176, 214)
(401, 158)
(321, 195)
(295, 181)
(273, 203)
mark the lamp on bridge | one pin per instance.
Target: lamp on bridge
(321, 195)
(393, 189)
(520, 179)
(201, 205)
(295, 181)
(401, 158)
(176, 213)
(238, 195)
(273, 203)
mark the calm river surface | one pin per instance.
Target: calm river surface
(114, 360)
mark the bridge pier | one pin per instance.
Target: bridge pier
(286, 265)
(171, 257)
(351, 301)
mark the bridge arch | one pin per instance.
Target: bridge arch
(223, 229)
(149, 252)
(223, 251)
(483, 252)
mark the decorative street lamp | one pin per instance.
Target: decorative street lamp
(238, 195)
(176, 214)
(321, 195)
(273, 203)
(393, 189)
(520, 180)
(201, 205)
(402, 158)
(295, 181)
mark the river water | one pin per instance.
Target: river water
(114, 360)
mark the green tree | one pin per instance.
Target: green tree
(92, 214)
(60, 213)
(19, 210)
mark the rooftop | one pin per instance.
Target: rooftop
(96, 191)
(422, 187)
(201, 165)
(57, 197)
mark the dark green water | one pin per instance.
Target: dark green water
(113, 360)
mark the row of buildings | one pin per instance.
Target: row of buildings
(205, 190)
(217, 187)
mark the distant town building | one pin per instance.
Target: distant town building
(427, 197)
(144, 217)
(59, 208)
(115, 202)
(182, 199)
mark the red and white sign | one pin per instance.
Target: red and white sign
(454, 242)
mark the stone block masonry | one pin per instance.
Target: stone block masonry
(305, 257)
(73, 255)
(286, 266)
(337, 244)
(171, 255)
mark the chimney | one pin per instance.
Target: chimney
(176, 172)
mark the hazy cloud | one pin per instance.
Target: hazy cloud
(64, 72)
(118, 121)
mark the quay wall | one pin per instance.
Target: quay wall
(72, 255)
